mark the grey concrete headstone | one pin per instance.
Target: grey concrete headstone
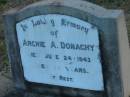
(113, 41)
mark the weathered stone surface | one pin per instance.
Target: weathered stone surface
(69, 92)
(124, 54)
(6, 85)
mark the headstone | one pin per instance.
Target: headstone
(58, 47)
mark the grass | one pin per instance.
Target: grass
(2, 2)
(3, 55)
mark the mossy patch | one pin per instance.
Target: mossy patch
(3, 2)
(3, 55)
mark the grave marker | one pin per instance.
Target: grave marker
(55, 44)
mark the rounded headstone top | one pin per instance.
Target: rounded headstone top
(63, 5)
(77, 4)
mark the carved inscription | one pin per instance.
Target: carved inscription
(60, 50)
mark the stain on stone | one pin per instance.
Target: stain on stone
(56, 3)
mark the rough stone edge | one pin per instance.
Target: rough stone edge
(12, 46)
(124, 53)
(78, 4)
